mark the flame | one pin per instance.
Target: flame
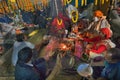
(63, 46)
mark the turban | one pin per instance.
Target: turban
(98, 13)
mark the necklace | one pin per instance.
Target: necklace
(59, 22)
(74, 19)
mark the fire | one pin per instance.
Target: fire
(63, 46)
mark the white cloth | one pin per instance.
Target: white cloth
(111, 44)
(17, 47)
(103, 24)
(93, 55)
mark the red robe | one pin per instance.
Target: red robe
(58, 26)
(95, 39)
(98, 48)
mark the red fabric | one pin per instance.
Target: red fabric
(107, 32)
(55, 24)
(99, 49)
(95, 39)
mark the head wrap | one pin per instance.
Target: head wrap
(98, 13)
